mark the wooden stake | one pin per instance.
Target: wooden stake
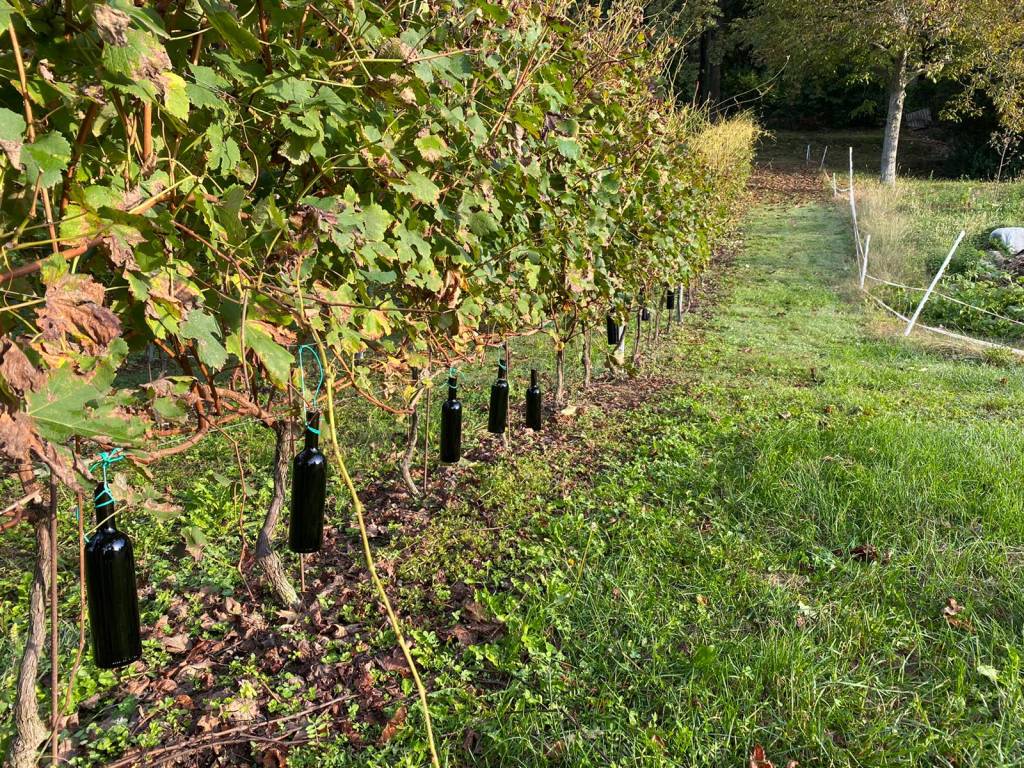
(54, 633)
(426, 434)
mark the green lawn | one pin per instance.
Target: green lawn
(764, 554)
(761, 553)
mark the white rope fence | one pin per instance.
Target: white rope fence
(863, 252)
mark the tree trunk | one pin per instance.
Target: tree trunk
(30, 731)
(560, 374)
(410, 449)
(679, 303)
(266, 557)
(636, 341)
(588, 363)
(418, 378)
(894, 120)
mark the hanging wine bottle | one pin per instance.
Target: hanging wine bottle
(451, 423)
(497, 413)
(616, 332)
(645, 314)
(670, 299)
(309, 492)
(111, 588)
(533, 402)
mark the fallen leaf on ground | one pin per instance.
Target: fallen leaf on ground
(175, 643)
(393, 725)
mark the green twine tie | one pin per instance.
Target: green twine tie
(106, 459)
(302, 378)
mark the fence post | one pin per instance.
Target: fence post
(935, 281)
(808, 158)
(864, 269)
(823, 156)
(835, 186)
(853, 211)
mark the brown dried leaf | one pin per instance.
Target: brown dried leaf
(175, 643)
(951, 613)
(952, 607)
(242, 710)
(17, 438)
(111, 24)
(16, 371)
(475, 611)
(758, 759)
(273, 758)
(463, 635)
(393, 725)
(74, 317)
(13, 151)
(395, 662)
(207, 722)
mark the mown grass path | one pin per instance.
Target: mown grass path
(767, 552)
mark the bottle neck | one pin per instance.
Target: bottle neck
(533, 377)
(502, 374)
(104, 504)
(453, 388)
(312, 430)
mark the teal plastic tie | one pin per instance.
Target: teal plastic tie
(106, 459)
(302, 378)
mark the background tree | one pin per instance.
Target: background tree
(893, 42)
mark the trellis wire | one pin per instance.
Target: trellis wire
(862, 265)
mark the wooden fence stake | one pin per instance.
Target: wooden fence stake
(935, 281)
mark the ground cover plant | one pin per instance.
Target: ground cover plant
(912, 228)
(401, 189)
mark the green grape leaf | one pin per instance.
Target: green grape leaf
(375, 222)
(568, 148)
(481, 224)
(46, 158)
(12, 135)
(240, 40)
(141, 58)
(176, 100)
(169, 408)
(195, 541)
(431, 148)
(68, 405)
(420, 187)
(202, 328)
(276, 359)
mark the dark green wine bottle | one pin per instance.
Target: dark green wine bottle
(616, 332)
(112, 592)
(645, 314)
(670, 299)
(309, 492)
(451, 424)
(497, 413)
(533, 402)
